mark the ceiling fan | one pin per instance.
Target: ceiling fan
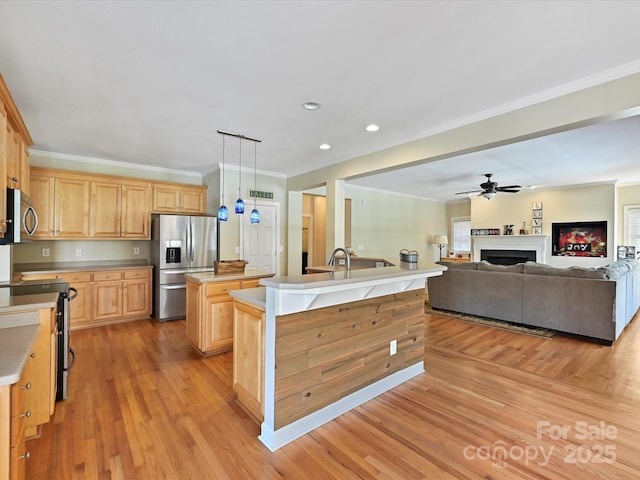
(490, 189)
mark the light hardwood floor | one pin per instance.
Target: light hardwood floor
(144, 405)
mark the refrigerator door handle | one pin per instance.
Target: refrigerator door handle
(189, 241)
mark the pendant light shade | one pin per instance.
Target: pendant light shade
(223, 212)
(255, 214)
(239, 201)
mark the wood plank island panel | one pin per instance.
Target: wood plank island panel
(325, 354)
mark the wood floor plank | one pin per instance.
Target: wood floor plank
(144, 405)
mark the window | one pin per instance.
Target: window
(632, 226)
(461, 233)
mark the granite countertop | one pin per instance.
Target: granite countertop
(207, 277)
(18, 332)
(91, 266)
(341, 276)
(255, 296)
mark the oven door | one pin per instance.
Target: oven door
(66, 355)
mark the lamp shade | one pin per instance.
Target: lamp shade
(440, 240)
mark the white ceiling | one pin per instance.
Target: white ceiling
(150, 82)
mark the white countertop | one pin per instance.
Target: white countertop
(21, 303)
(255, 296)
(18, 332)
(64, 267)
(207, 277)
(341, 277)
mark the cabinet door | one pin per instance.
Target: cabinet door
(72, 207)
(12, 157)
(43, 200)
(38, 372)
(135, 220)
(105, 207)
(166, 199)
(106, 299)
(218, 329)
(248, 357)
(193, 200)
(3, 169)
(81, 305)
(136, 297)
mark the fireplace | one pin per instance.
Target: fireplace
(507, 257)
(522, 244)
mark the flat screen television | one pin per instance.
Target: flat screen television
(579, 239)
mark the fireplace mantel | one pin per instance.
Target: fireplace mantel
(511, 242)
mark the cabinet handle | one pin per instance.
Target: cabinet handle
(26, 456)
(33, 355)
(26, 414)
(26, 387)
(14, 179)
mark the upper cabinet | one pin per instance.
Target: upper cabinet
(62, 203)
(120, 209)
(74, 205)
(14, 156)
(174, 198)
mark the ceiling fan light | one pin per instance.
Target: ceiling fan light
(488, 195)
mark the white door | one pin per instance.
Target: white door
(259, 240)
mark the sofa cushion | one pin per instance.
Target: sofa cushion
(488, 266)
(459, 265)
(533, 268)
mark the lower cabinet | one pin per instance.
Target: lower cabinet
(29, 403)
(210, 314)
(106, 297)
(248, 357)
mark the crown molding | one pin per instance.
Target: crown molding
(112, 163)
(247, 170)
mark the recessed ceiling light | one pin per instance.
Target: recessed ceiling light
(325, 146)
(372, 128)
(311, 106)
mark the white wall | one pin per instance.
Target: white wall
(383, 223)
(580, 204)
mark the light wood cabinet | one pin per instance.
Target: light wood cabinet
(248, 356)
(13, 411)
(3, 169)
(121, 295)
(120, 210)
(209, 316)
(62, 203)
(14, 156)
(174, 198)
(40, 371)
(106, 297)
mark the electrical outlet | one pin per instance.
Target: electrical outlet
(393, 347)
(78, 252)
(360, 247)
(45, 252)
(237, 249)
(136, 250)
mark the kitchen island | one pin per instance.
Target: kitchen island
(334, 340)
(210, 308)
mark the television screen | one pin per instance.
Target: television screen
(580, 239)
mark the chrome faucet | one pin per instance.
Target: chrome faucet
(332, 260)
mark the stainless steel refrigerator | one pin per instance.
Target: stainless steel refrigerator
(181, 244)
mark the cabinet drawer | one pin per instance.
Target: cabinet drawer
(106, 276)
(221, 288)
(78, 277)
(251, 283)
(133, 274)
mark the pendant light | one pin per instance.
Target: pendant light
(239, 201)
(223, 212)
(255, 214)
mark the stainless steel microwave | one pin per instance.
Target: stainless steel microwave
(22, 219)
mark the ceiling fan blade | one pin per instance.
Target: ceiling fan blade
(509, 187)
(508, 190)
(470, 191)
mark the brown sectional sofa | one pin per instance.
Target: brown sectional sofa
(591, 302)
